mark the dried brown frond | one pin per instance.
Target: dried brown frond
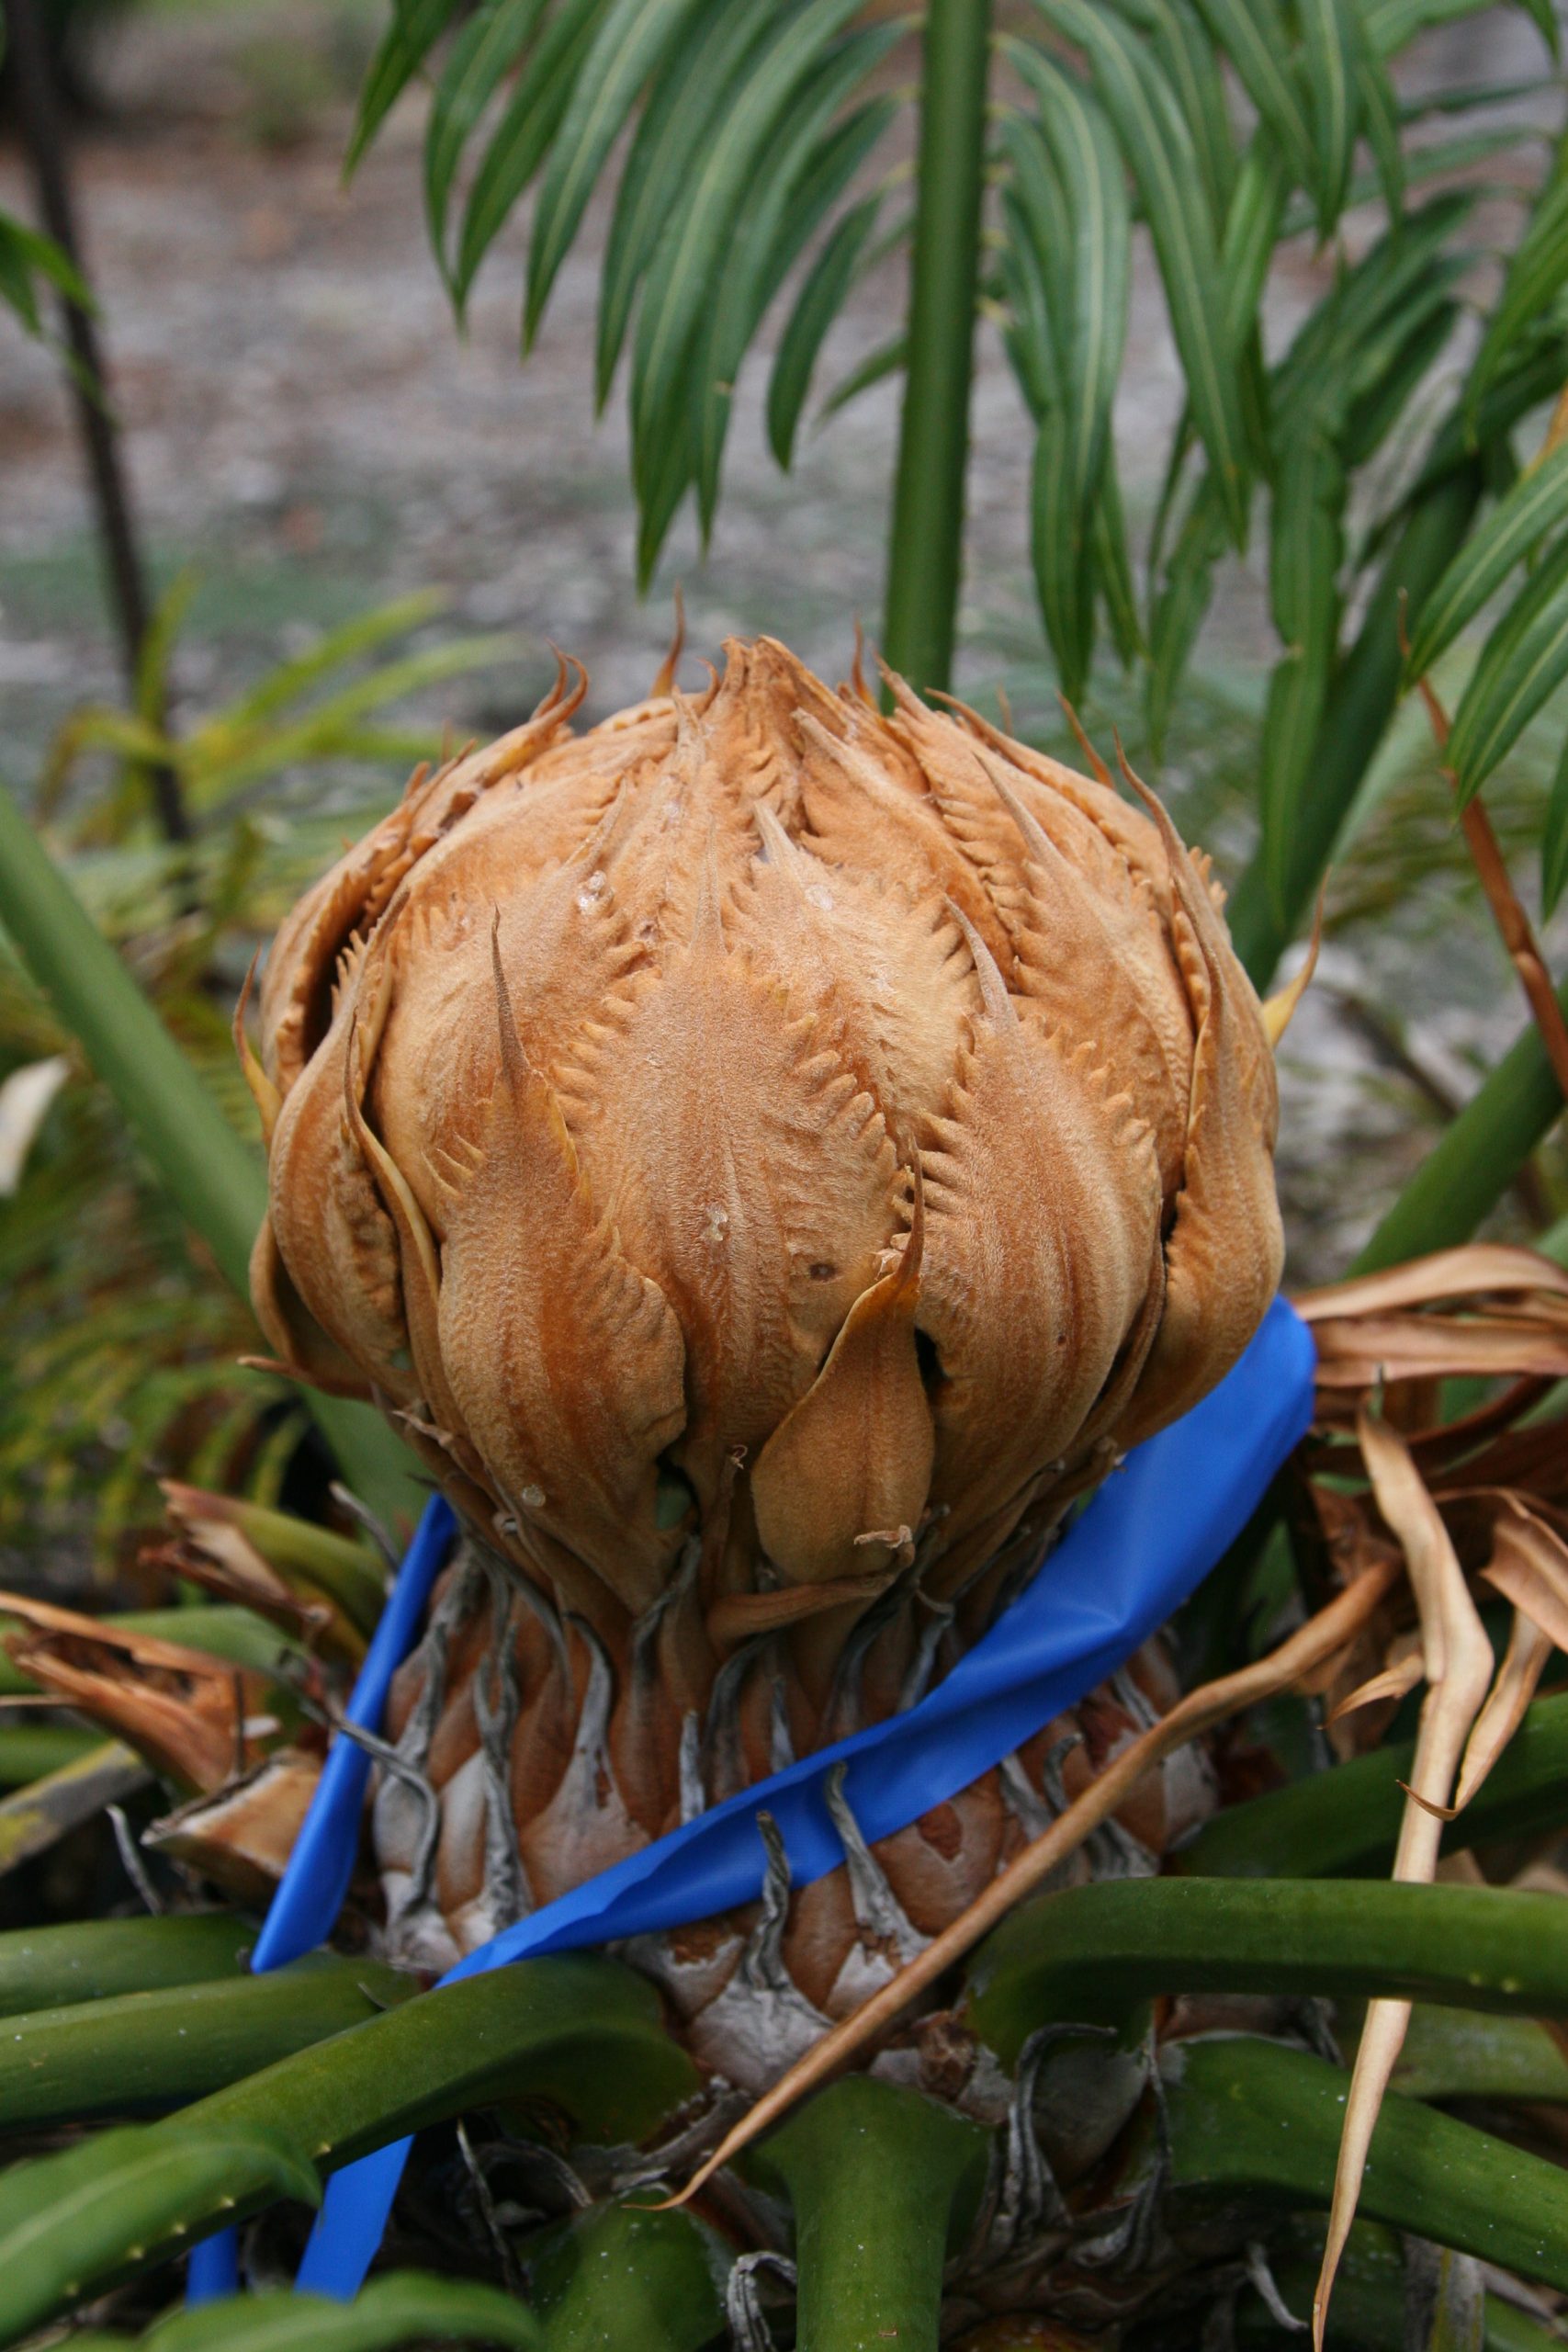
(194, 1718)
(1457, 1659)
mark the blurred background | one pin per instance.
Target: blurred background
(360, 526)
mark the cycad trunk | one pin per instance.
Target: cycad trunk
(511, 1786)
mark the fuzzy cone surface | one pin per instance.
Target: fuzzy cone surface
(768, 1158)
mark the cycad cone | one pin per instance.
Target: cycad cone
(767, 1157)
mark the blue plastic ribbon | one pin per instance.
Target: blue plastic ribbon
(1137, 1551)
(311, 1893)
(1144, 1543)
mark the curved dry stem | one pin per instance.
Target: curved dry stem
(1446, 1274)
(1529, 1649)
(1457, 1657)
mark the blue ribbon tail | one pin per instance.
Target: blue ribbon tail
(213, 2270)
(303, 1911)
(352, 2224)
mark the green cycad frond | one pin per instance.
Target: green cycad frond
(751, 147)
(121, 1341)
(28, 261)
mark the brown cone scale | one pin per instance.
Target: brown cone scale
(767, 1157)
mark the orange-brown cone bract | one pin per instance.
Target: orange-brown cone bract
(766, 1157)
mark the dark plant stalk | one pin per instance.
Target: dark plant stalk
(925, 551)
(149, 2051)
(880, 2181)
(583, 2034)
(1346, 1823)
(1095, 1953)
(43, 136)
(1247, 2117)
(1476, 1160)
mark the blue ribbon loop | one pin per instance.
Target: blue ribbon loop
(1139, 1549)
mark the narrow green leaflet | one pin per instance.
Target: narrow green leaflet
(817, 306)
(1038, 208)
(1439, 161)
(1330, 50)
(25, 257)
(813, 166)
(1511, 533)
(1073, 193)
(1402, 363)
(1112, 567)
(1093, 337)
(1535, 374)
(1379, 120)
(487, 47)
(1308, 541)
(1318, 378)
(663, 473)
(518, 145)
(1536, 275)
(1254, 37)
(889, 358)
(1179, 45)
(686, 98)
(1158, 146)
(1183, 47)
(216, 759)
(338, 647)
(1554, 839)
(211, 1175)
(1251, 232)
(1030, 346)
(1465, 98)
(406, 2305)
(1182, 601)
(1059, 546)
(632, 41)
(415, 28)
(1525, 659)
(1392, 23)
(680, 277)
(150, 689)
